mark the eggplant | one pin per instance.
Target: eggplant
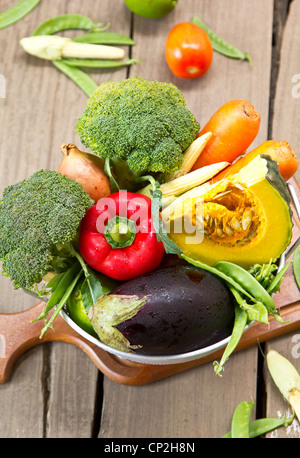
(172, 310)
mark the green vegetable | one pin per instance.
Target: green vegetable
(220, 45)
(97, 63)
(39, 221)
(260, 426)
(105, 38)
(253, 302)
(38, 217)
(241, 419)
(239, 325)
(296, 266)
(244, 278)
(96, 35)
(78, 76)
(65, 22)
(145, 123)
(17, 12)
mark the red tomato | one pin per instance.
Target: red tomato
(188, 50)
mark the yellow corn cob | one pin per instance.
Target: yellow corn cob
(190, 156)
(191, 179)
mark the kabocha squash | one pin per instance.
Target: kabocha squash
(245, 219)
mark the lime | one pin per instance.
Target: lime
(153, 9)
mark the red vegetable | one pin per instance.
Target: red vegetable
(117, 236)
(188, 50)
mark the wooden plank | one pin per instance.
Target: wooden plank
(285, 126)
(189, 404)
(38, 114)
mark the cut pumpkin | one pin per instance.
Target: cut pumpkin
(245, 219)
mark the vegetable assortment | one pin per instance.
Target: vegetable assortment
(96, 233)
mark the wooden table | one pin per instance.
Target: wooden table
(55, 389)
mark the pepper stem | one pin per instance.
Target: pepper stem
(120, 232)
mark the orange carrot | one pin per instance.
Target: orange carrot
(234, 127)
(279, 151)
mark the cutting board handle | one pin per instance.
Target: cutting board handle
(19, 333)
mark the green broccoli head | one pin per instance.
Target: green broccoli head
(145, 123)
(37, 215)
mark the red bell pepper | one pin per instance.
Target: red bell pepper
(117, 236)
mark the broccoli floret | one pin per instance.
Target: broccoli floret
(37, 217)
(145, 123)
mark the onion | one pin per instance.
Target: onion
(85, 168)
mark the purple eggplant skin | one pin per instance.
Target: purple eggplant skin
(177, 309)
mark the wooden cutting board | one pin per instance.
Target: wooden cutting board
(18, 334)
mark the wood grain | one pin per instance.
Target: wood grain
(285, 125)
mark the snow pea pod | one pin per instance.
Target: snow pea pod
(220, 45)
(255, 312)
(241, 420)
(17, 12)
(219, 273)
(105, 38)
(78, 76)
(65, 22)
(97, 63)
(243, 277)
(239, 325)
(263, 426)
(276, 282)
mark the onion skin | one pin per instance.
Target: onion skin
(85, 168)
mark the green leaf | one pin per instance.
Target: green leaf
(161, 233)
(91, 289)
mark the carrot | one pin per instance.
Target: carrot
(279, 151)
(234, 126)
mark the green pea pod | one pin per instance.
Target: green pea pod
(276, 282)
(78, 76)
(97, 63)
(65, 22)
(255, 312)
(105, 38)
(220, 45)
(241, 420)
(239, 325)
(17, 12)
(227, 278)
(59, 291)
(243, 277)
(296, 266)
(263, 426)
